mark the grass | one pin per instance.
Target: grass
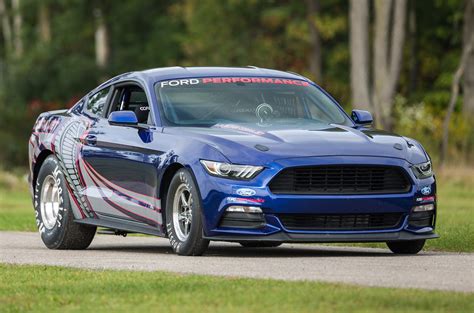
(455, 222)
(16, 212)
(53, 289)
(16, 209)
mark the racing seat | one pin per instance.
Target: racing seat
(142, 113)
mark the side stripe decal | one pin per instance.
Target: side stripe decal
(121, 191)
(119, 208)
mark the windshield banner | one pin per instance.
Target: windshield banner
(232, 80)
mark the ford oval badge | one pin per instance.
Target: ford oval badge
(426, 190)
(245, 192)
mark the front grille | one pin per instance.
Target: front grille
(341, 221)
(341, 179)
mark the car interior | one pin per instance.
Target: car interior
(186, 105)
(131, 98)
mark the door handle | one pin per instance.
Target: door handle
(90, 140)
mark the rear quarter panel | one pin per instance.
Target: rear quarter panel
(42, 139)
(59, 133)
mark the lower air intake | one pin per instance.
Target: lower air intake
(336, 222)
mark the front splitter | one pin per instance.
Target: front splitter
(330, 237)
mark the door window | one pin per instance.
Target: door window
(132, 98)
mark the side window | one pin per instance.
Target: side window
(132, 98)
(97, 101)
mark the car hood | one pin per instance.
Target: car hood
(250, 145)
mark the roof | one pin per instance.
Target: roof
(177, 72)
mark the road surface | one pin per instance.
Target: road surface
(361, 266)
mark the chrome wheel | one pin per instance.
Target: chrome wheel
(182, 212)
(50, 202)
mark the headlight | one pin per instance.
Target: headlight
(422, 170)
(232, 171)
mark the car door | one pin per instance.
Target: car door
(120, 163)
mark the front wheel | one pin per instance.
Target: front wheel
(406, 247)
(184, 216)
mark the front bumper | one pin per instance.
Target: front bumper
(219, 193)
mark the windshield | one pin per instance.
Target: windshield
(253, 101)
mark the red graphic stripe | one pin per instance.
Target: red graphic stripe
(78, 158)
(71, 193)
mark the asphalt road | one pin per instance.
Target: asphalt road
(361, 266)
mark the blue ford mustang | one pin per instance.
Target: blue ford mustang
(249, 155)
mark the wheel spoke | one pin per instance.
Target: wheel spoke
(182, 212)
(185, 230)
(184, 202)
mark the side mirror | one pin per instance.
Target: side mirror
(361, 117)
(123, 118)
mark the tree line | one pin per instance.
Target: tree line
(411, 63)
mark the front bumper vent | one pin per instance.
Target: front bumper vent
(421, 219)
(341, 222)
(242, 220)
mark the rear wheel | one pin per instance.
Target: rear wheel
(184, 216)
(406, 247)
(54, 216)
(260, 244)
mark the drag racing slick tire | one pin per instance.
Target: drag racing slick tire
(54, 216)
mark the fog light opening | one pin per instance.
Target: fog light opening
(244, 209)
(423, 208)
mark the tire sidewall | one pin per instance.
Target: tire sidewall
(183, 177)
(53, 237)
